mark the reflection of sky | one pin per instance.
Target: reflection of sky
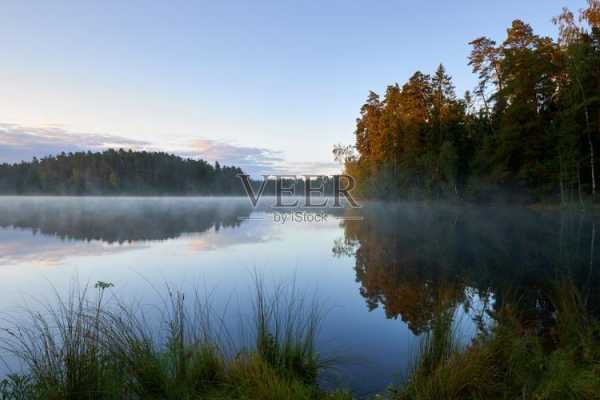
(26, 248)
(22, 247)
(247, 233)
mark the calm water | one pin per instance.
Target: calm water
(381, 276)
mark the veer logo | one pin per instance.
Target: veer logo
(314, 197)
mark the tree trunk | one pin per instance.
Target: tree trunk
(588, 130)
(579, 184)
(591, 144)
(560, 174)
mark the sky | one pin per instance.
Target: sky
(270, 86)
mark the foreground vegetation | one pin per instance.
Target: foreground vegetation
(528, 132)
(82, 349)
(86, 350)
(516, 359)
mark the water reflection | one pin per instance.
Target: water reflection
(22, 247)
(418, 262)
(121, 220)
(391, 274)
(44, 231)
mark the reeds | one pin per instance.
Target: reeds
(82, 348)
(286, 327)
(512, 362)
(61, 347)
(85, 347)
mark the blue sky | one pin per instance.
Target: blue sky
(269, 85)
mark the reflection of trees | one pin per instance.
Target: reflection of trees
(418, 261)
(120, 220)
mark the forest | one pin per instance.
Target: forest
(142, 173)
(118, 172)
(529, 131)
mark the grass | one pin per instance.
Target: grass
(512, 361)
(83, 348)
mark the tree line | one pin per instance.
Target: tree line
(530, 129)
(118, 171)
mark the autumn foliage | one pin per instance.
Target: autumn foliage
(530, 128)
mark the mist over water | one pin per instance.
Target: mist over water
(382, 277)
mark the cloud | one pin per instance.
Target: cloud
(253, 160)
(309, 168)
(20, 143)
(256, 161)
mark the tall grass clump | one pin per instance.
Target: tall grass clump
(286, 326)
(82, 348)
(514, 361)
(178, 358)
(61, 348)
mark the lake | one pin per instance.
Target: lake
(381, 272)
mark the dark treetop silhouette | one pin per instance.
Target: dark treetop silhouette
(118, 171)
